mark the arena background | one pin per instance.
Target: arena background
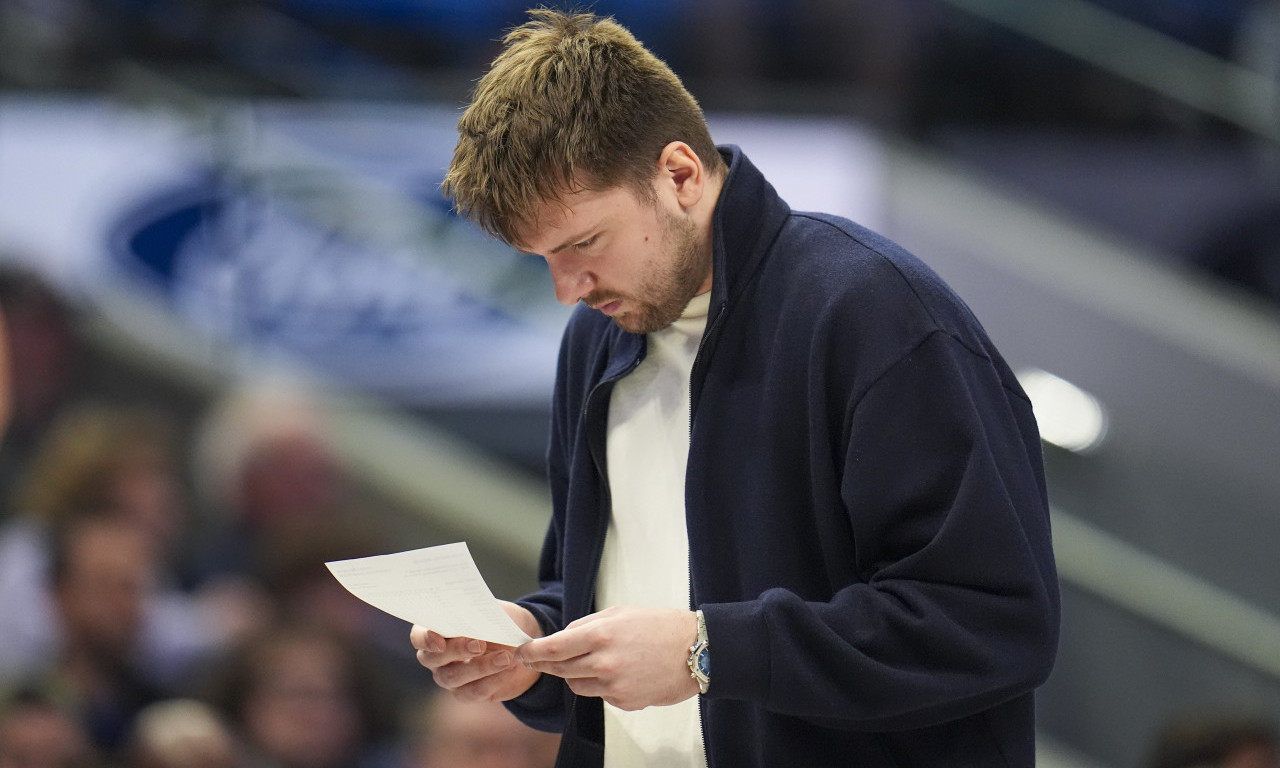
(236, 192)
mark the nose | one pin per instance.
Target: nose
(571, 282)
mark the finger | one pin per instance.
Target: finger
(489, 688)
(436, 651)
(590, 687)
(588, 619)
(599, 665)
(568, 670)
(463, 673)
(424, 639)
(596, 688)
(431, 641)
(562, 646)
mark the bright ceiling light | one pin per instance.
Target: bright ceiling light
(1069, 417)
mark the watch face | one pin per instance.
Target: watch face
(704, 663)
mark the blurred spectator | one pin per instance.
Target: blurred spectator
(109, 459)
(102, 571)
(1216, 742)
(266, 473)
(303, 589)
(36, 734)
(6, 377)
(182, 733)
(44, 357)
(447, 732)
(300, 696)
(279, 505)
(101, 460)
(294, 573)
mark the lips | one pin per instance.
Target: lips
(610, 308)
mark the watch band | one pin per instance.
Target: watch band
(699, 660)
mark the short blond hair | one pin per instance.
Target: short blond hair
(81, 459)
(572, 101)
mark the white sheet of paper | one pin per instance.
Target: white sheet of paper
(439, 588)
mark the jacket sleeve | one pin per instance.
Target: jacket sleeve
(955, 607)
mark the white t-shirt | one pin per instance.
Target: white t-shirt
(646, 551)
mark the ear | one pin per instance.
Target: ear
(681, 170)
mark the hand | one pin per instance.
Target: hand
(473, 669)
(629, 656)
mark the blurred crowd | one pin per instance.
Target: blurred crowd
(1215, 739)
(909, 64)
(164, 601)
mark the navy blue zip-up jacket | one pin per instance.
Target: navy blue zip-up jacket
(865, 500)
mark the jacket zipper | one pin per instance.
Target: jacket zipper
(697, 357)
(715, 324)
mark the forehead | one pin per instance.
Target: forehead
(576, 214)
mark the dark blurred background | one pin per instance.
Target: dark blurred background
(247, 335)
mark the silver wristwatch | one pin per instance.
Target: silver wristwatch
(699, 660)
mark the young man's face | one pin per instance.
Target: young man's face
(637, 261)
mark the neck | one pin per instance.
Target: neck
(703, 216)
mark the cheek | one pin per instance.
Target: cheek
(648, 259)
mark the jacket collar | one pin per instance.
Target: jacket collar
(747, 219)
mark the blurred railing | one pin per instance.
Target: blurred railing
(1146, 586)
(1127, 49)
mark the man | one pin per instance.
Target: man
(35, 733)
(102, 572)
(1220, 740)
(799, 509)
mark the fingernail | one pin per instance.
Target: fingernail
(475, 646)
(502, 661)
(433, 644)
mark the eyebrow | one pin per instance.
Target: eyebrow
(575, 239)
(566, 244)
